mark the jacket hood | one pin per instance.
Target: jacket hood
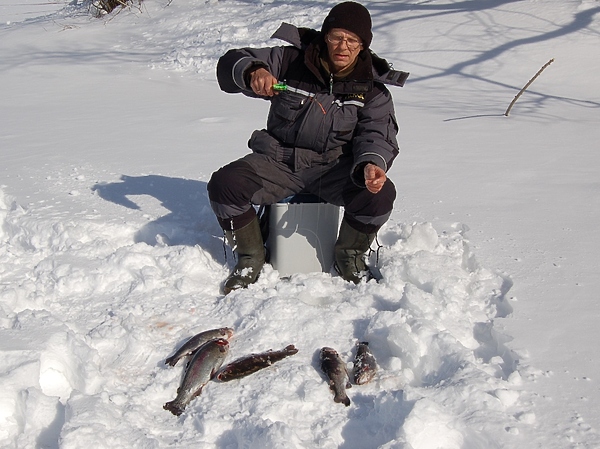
(311, 42)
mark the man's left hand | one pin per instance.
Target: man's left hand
(375, 177)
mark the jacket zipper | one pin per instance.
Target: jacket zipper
(331, 84)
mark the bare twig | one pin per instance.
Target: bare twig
(527, 85)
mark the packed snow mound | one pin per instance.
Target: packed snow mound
(89, 314)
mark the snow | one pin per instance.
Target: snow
(484, 326)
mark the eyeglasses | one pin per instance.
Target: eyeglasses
(336, 39)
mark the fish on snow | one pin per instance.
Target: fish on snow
(335, 369)
(203, 366)
(365, 366)
(244, 366)
(190, 346)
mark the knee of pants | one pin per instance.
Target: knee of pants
(367, 212)
(386, 197)
(365, 203)
(234, 183)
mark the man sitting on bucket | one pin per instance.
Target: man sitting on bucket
(331, 131)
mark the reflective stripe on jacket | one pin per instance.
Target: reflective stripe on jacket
(319, 117)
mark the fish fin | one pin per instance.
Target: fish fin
(171, 361)
(198, 392)
(348, 385)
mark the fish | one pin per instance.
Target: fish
(365, 366)
(203, 366)
(244, 366)
(190, 346)
(335, 369)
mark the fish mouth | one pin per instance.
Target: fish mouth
(222, 342)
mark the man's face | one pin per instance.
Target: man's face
(343, 48)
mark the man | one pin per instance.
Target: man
(331, 132)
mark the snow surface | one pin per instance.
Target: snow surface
(484, 327)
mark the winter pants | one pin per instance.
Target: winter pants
(257, 179)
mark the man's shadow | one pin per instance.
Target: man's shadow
(190, 220)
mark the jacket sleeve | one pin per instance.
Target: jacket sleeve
(234, 65)
(375, 135)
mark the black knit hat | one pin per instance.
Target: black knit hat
(350, 16)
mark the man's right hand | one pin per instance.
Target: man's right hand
(261, 82)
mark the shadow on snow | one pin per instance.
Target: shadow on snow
(190, 220)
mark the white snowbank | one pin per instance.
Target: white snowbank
(95, 314)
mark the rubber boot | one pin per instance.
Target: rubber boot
(350, 250)
(248, 244)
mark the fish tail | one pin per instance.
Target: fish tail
(339, 395)
(172, 361)
(342, 398)
(174, 407)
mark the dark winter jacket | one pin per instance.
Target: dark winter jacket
(318, 118)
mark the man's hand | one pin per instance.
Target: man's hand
(261, 82)
(375, 177)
